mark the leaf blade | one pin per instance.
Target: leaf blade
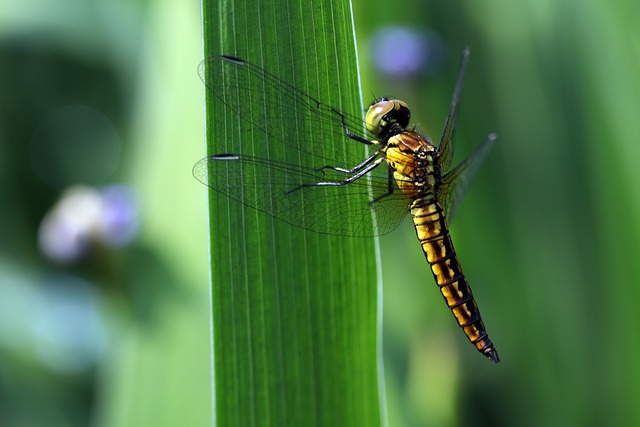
(294, 313)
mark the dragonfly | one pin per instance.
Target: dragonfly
(288, 170)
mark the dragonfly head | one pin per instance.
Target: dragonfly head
(387, 117)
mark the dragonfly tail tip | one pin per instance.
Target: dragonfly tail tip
(492, 355)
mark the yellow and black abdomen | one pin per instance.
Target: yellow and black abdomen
(413, 160)
(431, 228)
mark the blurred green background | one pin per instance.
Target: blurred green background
(548, 233)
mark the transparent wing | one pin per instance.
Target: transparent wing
(288, 116)
(291, 129)
(455, 183)
(446, 146)
(277, 188)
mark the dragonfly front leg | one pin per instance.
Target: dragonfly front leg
(358, 138)
(357, 171)
(353, 135)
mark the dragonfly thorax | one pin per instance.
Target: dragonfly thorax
(414, 164)
(388, 117)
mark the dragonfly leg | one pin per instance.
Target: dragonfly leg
(353, 135)
(390, 182)
(346, 181)
(356, 168)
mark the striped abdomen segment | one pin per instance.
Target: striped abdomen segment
(433, 234)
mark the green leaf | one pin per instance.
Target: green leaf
(295, 313)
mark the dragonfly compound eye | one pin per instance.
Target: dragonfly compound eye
(387, 116)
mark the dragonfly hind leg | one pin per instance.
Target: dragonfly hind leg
(364, 168)
(390, 187)
(353, 170)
